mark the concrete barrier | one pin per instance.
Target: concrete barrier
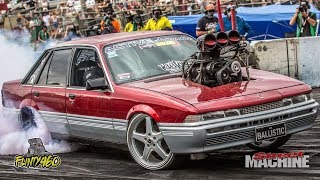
(294, 57)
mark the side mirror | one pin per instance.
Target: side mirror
(98, 83)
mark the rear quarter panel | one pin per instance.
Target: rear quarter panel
(16, 96)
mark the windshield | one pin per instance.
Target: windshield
(143, 58)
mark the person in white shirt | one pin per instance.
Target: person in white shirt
(46, 19)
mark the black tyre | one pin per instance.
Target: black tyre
(26, 118)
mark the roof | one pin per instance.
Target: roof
(103, 40)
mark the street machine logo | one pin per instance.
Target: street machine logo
(277, 160)
(37, 156)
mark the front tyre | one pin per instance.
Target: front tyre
(147, 145)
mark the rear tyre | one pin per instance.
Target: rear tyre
(26, 118)
(147, 145)
(269, 145)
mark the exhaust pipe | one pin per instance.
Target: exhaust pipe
(234, 37)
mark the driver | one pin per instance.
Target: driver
(93, 72)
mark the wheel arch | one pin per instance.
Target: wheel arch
(144, 109)
(28, 103)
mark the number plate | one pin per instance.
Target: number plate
(269, 132)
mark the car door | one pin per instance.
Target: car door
(49, 91)
(87, 110)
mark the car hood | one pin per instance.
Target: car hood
(264, 87)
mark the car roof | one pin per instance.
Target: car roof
(103, 40)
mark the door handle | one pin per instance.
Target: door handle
(72, 96)
(36, 93)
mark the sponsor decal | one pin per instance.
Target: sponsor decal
(124, 76)
(172, 66)
(165, 43)
(112, 54)
(277, 160)
(147, 43)
(37, 157)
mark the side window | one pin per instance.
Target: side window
(55, 72)
(44, 75)
(32, 76)
(86, 65)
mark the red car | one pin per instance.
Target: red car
(127, 88)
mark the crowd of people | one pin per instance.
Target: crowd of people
(68, 20)
(68, 17)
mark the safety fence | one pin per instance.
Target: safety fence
(294, 57)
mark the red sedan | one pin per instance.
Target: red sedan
(128, 89)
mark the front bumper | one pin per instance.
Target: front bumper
(206, 136)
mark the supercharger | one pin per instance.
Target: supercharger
(208, 67)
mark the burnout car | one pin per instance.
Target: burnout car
(142, 100)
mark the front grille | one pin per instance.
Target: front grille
(262, 107)
(300, 122)
(250, 134)
(229, 137)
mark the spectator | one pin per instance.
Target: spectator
(115, 23)
(158, 22)
(190, 7)
(44, 5)
(71, 33)
(46, 18)
(135, 23)
(306, 20)
(106, 6)
(62, 8)
(106, 26)
(54, 20)
(242, 26)
(43, 35)
(31, 4)
(208, 23)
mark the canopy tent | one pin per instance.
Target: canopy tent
(267, 22)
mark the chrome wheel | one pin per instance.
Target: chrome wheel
(147, 145)
(271, 144)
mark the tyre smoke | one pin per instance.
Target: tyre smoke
(17, 57)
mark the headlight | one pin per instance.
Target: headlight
(296, 99)
(212, 115)
(193, 118)
(299, 99)
(287, 101)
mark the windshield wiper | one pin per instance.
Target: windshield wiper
(162, 77)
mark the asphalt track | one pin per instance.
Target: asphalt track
(111, 163)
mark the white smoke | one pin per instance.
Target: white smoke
(17, 57)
